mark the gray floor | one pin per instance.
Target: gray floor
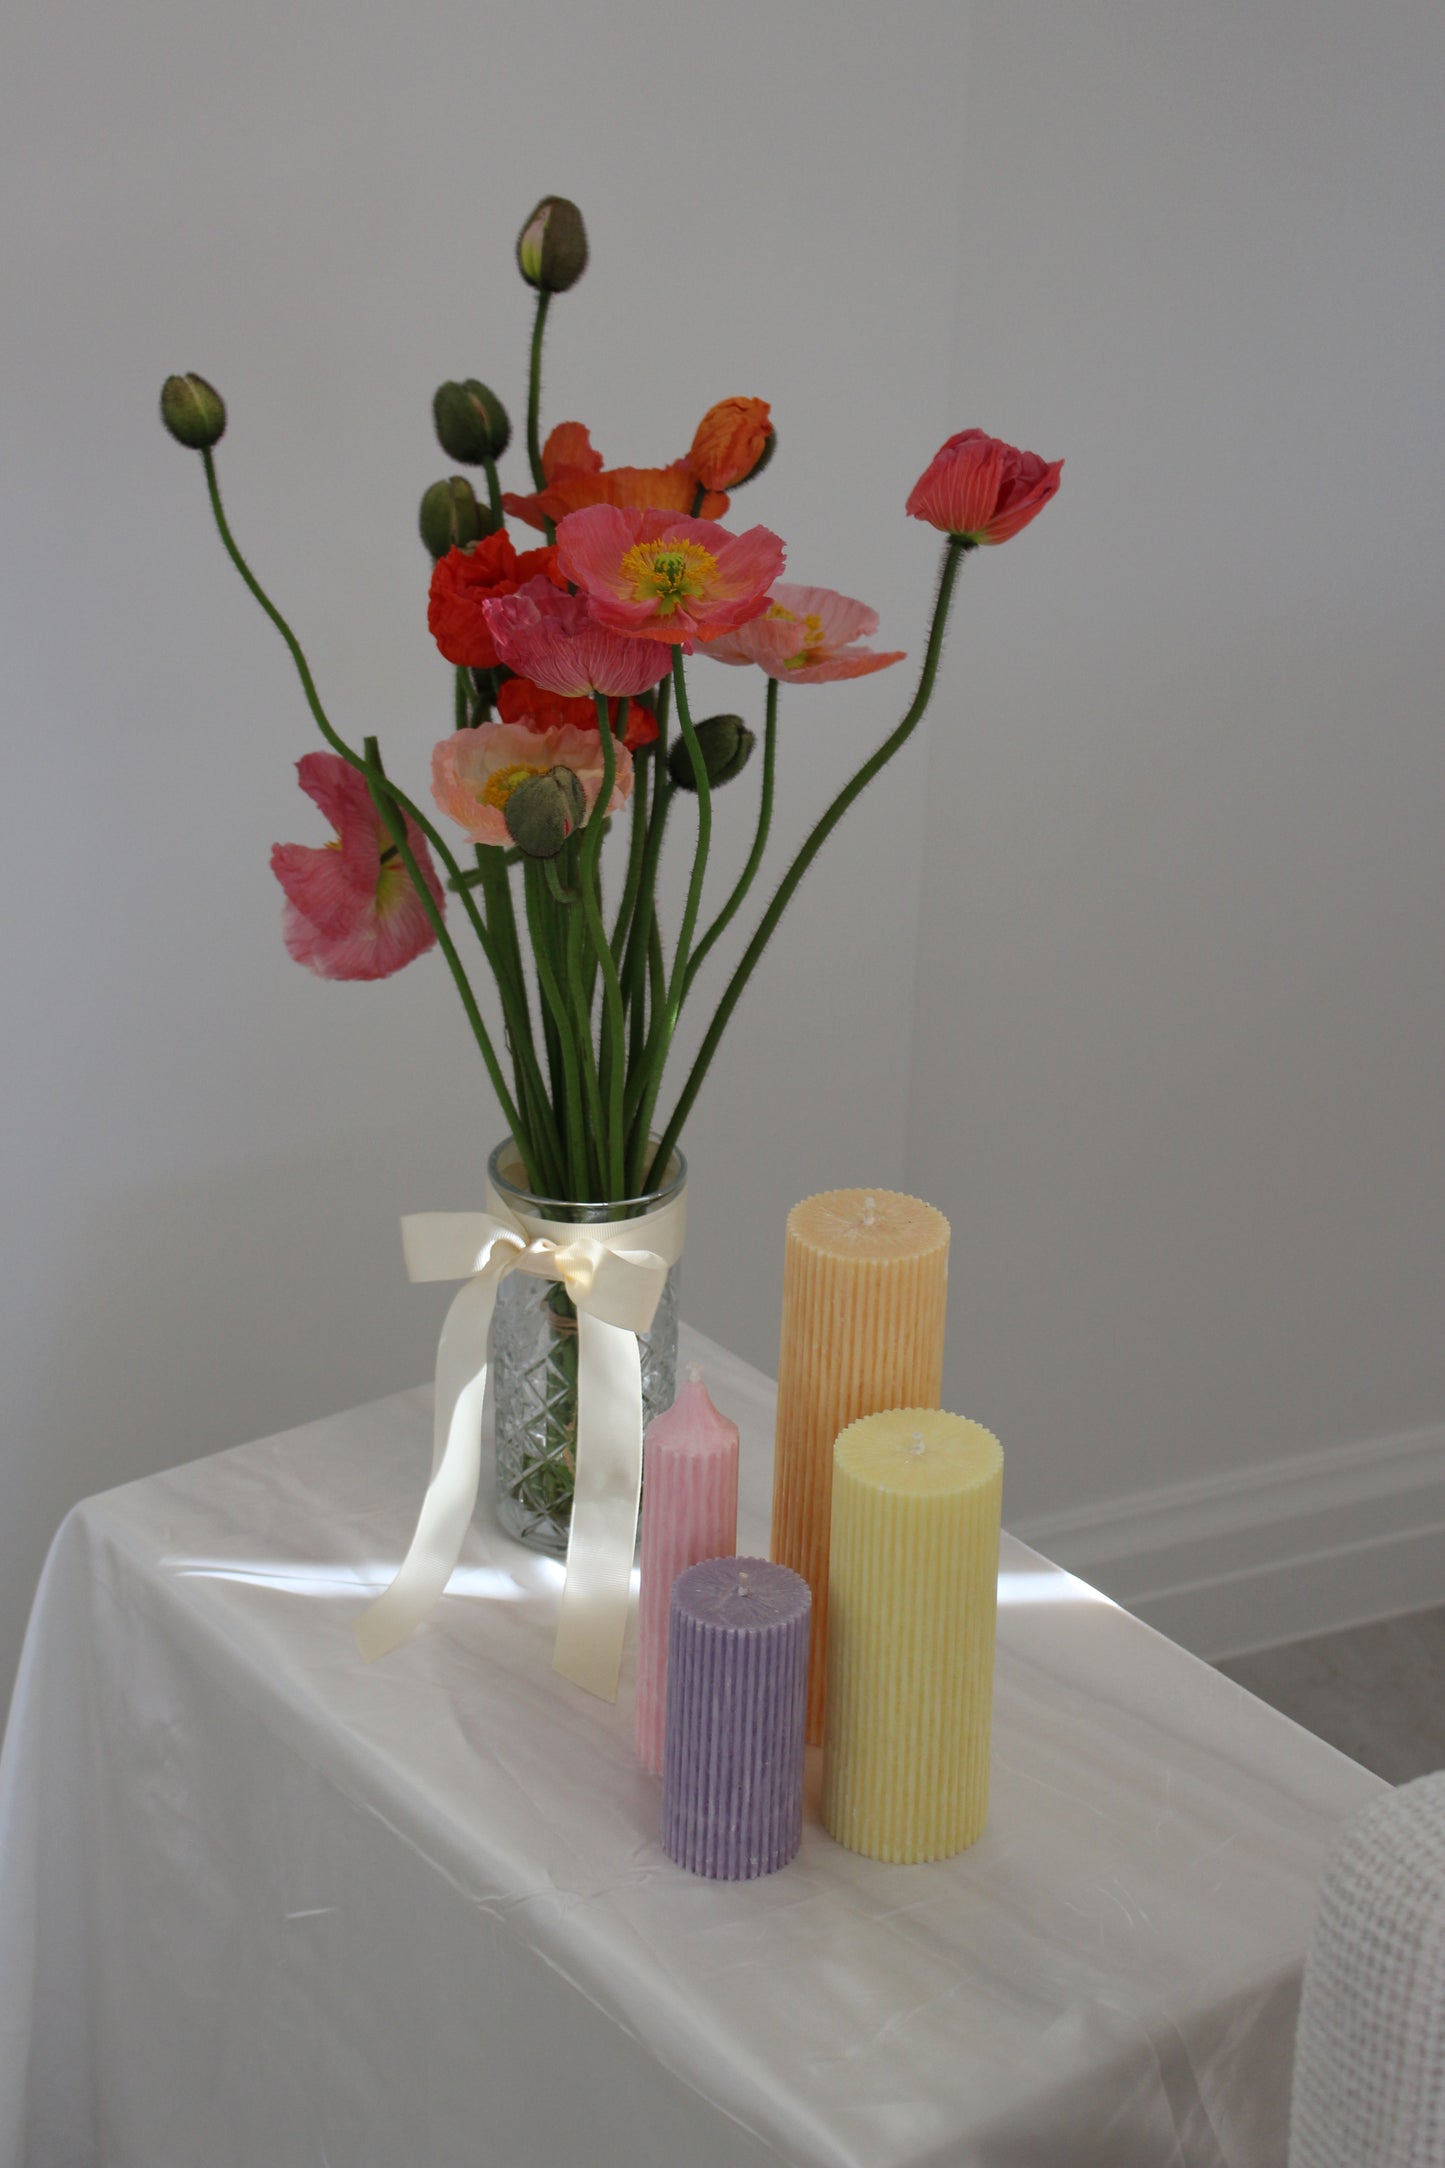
(1376, 1692)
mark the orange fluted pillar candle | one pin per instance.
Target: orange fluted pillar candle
(865, 1286)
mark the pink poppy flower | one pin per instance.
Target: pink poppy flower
(649, 573)
(351, 911)
(982, 489)
(474, 772)
(806, 636)
(553, 639)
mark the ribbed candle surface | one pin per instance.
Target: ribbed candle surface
(865, 1288)
(689, 1512)
(913, 1591)
(737, 1686)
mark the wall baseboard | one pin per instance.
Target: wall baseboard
(1242, 1561)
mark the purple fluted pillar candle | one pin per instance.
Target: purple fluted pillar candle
(689, 1512)
(737, 1704)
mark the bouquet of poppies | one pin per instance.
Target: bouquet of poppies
(574, 722)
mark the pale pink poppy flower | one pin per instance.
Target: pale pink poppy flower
(351, 911)
(663, 577)
(982, 489)
(474, 772)
(806, 636)
(552, 638)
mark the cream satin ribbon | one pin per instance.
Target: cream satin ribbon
(616, 1284)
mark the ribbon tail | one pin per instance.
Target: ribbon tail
(451, 1494)
(593, 1620)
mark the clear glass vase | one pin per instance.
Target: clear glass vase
(534, 1362)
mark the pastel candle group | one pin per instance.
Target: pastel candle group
(737, 1682)
(689, 1512)
(913, 1579)
(865, 1286)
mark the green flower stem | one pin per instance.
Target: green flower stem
(730, 909)
(494, 489)
(461, 706)
(636, 841)
(395, 825)
(953, 552)
(634, 966)
(355, 760)
(559, 1028)
(582, 1028)
(637, 971)
(615, 1043)
(660, 1039)
(512, 984)
(534, 391)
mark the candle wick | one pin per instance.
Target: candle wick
(694, 1373)
(918, 1442)
(743, 1584)
(870, 1207)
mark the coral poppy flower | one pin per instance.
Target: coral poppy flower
(554, 639)
(731, 439)
(659, 578)
(520, 701)
(462, 583)
(806, 636)
(982, 489)
(351, 911)
(575, 478)
(474, 772)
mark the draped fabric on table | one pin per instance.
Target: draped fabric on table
(261, 1901)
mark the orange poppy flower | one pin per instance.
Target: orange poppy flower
(731, 439)
(576, 478)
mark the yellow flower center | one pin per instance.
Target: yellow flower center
(812, 635)
(502, 782)
(668, 573)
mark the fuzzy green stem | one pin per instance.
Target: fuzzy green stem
(559, 1033)
(616, 1028)
(356, 760)
(494, 488)
(730, 909)
(534, 392)
(660, 1039)
(953, 552)
(512, 985)
(395, 825)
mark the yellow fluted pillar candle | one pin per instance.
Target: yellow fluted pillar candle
(865, 1288)
(913, 1595)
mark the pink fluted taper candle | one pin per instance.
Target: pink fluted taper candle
(689, 1513)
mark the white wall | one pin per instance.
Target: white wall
(1179, 1046)
(1176, 1052)
(207, 1150)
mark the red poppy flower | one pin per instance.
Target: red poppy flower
(657, 578)
(980, 488)
(520, 701)
(463, 581)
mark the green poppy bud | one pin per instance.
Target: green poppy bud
(544, 810)
(193, 411)
(552, 246)
(471, 422)
(451, 517)
(725, 742)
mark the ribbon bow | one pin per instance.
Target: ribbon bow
(616, 1288)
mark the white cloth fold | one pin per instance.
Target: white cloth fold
(615, 1273)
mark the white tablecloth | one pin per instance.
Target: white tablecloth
(264, 1906)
